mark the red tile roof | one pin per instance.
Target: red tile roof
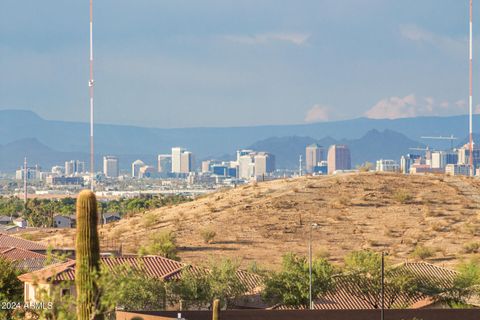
(25, 260)
(9, 241)
(153, 266)
(14, 254)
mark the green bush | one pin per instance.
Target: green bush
(208, 235)
(423, 252)
(161, 244)
(472, 247)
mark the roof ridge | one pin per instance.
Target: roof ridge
(430, 264)
(22, 239)
(7, 250)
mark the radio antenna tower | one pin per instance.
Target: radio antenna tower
(90, 85)
(470, 98)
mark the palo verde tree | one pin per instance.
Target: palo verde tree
(290, 286)
(362, 277)
(458, 291)
(197, 288)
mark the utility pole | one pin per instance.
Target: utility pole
(382, 312)
(310, 266)
(310, 263)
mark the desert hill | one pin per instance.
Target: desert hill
(259, 222)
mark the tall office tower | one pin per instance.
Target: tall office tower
(69, 168)
(73, 167)
(110, 166)
(183, 161)
(339, 158)
(187, 162)
(136, 165)
(177, 159)
(164, 164)
(79, 166)
(241, 153)
(464, 155)
(440, 159)
(264, 163)
(407, 161)
(246, 166)
(206, 166)
(313, 155)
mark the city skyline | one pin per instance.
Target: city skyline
(303, 53)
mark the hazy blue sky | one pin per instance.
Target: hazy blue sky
(184, 63)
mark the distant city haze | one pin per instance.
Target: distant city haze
(237, 63)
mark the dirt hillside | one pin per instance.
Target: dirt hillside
(260, 222)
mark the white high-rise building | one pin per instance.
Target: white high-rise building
(69, 168)
(182, 160)
(110, 166)
(264, 163)
(246, 166)
(177, 159)
(387, 166)
(252, 164)
(136, 165)
(74, 167)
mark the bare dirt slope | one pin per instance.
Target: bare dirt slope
(260, 222)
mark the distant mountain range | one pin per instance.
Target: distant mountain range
(47, 142)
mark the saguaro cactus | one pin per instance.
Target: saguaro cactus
(215, 309)
(87, 256)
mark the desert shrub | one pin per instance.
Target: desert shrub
(402, 196)
(423, 252)
(208, 235)
(149, 219)
(438, 226)
(322, 253)
(471, 229)
(162, 244)
(340, 203)
(365, 167)
(472, 247)
(118, 232)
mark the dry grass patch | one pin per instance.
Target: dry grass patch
(402, 196)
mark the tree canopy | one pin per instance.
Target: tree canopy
(291, 285)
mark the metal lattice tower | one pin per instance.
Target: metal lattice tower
(470, 98)
(90, 85)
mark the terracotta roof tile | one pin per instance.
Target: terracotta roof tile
(153, 266)
(10, 241)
